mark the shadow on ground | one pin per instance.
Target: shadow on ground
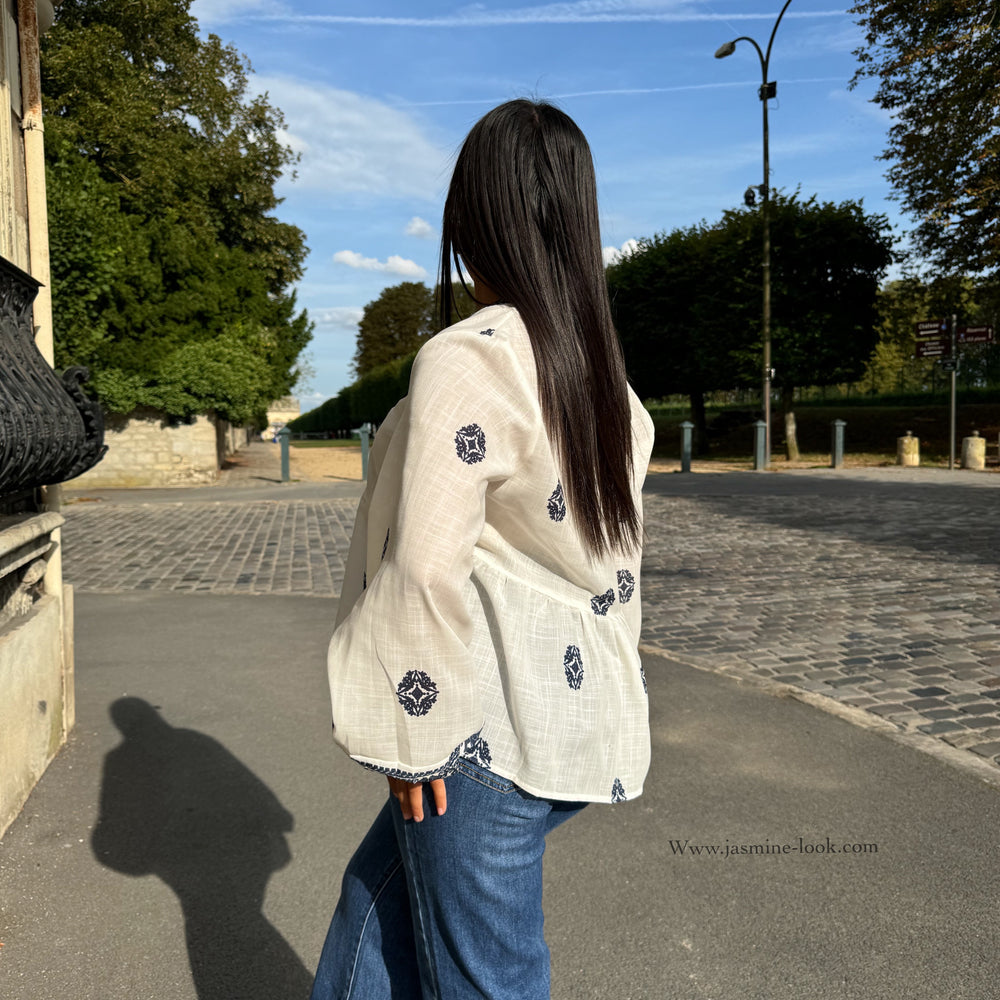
(946, 517)
(176, 804)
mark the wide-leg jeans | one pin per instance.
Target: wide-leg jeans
(449, 908)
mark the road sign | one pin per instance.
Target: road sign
(948, 364)
(931, 328)
(934, 348)
(974, 334)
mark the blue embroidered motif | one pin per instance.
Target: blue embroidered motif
(476, 749)
(557, 504)
(617, 791)
(442, 772)
(626, 586)
(601, 602)
(470, 444)
(642, 674)
(573, 662)
(487, 333)
(385, 544)
(416, 692)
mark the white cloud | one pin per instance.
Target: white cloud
(353, 144)
(579, 12)
(420, 228)
(393, 265)
(343, 317)
(614, 254)
(224, 11)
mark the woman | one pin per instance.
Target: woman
(485, 655)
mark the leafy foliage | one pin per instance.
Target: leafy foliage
(168, 265)
(687, 304)
(937, 63)
(394, 325)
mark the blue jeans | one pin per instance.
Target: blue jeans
(448, 908)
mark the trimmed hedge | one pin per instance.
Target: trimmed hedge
(368, 400)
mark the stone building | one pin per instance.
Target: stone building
(49, 432)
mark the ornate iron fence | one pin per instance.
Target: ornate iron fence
(50, 431)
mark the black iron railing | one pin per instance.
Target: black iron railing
(50, 431)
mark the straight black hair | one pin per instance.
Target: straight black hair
(521, 213)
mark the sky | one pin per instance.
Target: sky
(379, 94)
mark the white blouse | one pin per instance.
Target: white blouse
(473, 622)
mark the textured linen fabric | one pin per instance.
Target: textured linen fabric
(473, 622)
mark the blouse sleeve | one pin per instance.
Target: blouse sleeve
(403, 686)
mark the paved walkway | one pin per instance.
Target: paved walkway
(877, 589)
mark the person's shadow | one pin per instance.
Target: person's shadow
(175, 803)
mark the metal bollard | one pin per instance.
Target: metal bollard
(686, 428)
(364, 432)
(908, 450)
(759, 446)
(283, 436)
(837, 459)
(974, 451)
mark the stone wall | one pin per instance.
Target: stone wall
(36, 669)
(147, 449)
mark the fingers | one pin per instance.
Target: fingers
(440, 796)
(411, 797)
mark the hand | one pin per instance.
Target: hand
(411, 797)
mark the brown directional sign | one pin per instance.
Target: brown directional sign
(974, 334)
(933, 348)
(931, 328)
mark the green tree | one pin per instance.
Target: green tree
(670, 308)
(161, 172)
(688, 304)
(937, 63)
(394, 325)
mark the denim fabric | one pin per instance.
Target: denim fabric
(450, 908)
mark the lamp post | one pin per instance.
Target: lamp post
(767, 90)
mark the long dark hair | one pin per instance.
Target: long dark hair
(521, 214)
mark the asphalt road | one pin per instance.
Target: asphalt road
(229, 815)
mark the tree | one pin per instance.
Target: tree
(827, 261)
(394, 325)
(671, 312)
(937, 63)
(687, 304)
(161, 172)
(905, 302)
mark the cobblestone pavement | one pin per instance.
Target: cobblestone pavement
(882, 595)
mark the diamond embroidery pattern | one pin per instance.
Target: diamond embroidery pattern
(557, 503)
(470, 444)
(600, 603)
(487, 333)
(617, 791)
(416, 692)
(626, 586)
(573, 662)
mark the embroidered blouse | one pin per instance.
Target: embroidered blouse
(472, 621)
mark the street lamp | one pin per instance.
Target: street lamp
(767, 90)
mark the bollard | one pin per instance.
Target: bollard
(759, 446)
(974, 452)
(364, 432)
(686, 428)
(283, 435)
(908, 450)
(837, 459)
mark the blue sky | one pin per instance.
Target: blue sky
(378, 95)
